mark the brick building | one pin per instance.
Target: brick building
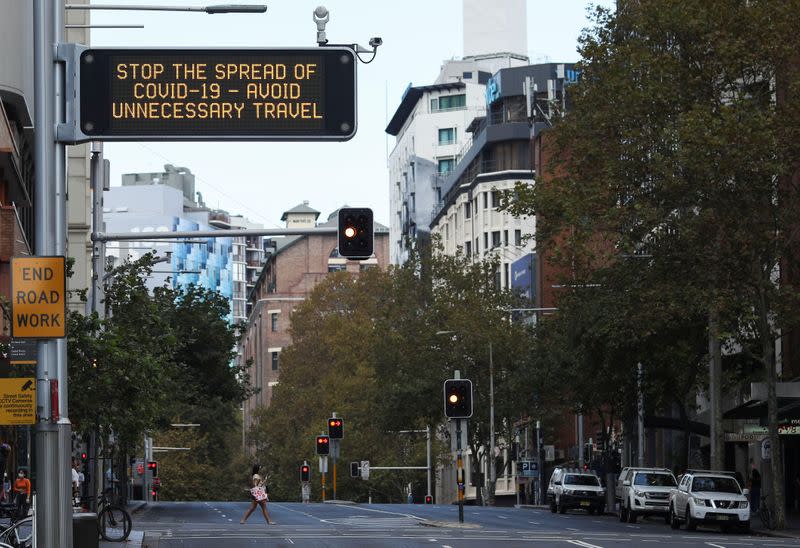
(294, 265)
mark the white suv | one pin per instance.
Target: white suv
(581, 490)
(645, 492)
(709, 497)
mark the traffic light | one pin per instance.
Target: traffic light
(355, 469)
(335, 428)
(428, 499)
(153, 467)
(458, 398)
(356, 233)
(305, 473)
(84, 457)
(323, 445)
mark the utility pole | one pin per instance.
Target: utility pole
(459, 464)
(715, 392)
(640, 416)
(580, 441)
(428, 447)
(492, 468)
(53, 439)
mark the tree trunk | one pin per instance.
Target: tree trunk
(776, 462)
(715, 392)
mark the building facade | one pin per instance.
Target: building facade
(294, 266)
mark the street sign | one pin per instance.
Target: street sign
(529, 468)
(17, 401)
(23, 352)
(213, 94)
(364, 469)
(38, 303)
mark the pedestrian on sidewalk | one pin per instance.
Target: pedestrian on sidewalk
(258, 497)
(22, 494)
(755, 488)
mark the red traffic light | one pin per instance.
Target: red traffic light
(152, 465)
(84, 456)
(305, 469)
(428, 499)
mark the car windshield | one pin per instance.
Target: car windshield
(575, 479)
(654, 480)
(718, 485)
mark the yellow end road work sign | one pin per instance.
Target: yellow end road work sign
(38, 297)
(17, 401)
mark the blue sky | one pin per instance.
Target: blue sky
(261, 180)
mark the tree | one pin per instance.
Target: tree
(677, 147)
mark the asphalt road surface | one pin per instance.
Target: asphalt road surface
(210, 524)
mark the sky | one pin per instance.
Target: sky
(261, 180)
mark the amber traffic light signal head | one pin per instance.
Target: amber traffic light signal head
(356, 233)
(323, 445)
(335, 428)
(458, 398)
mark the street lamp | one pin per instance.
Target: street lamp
(492, 470)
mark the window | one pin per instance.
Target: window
(446, 165)
(496, 238)
(468, 248)
(413, 201)
(497, 279)
(466, 75)
(495, 198)
(477, 245)
(275, 361)
(366, 266)
(467, 210)
(449, 102)
(333, 267)
(485, 241)
(485, 200)
(505, 238)
(273, 319)
(505, 274)
(447, 136)
(517, 237)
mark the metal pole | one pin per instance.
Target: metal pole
(335, 451)
(540, 495)
(492, 468)
(459, 473)
(580, 441)
(640, 413)
(428, 444)
(48, 481)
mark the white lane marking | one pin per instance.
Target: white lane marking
(446, 546)
(571, 529)
(715, 545)
(290, 541)
(229, 519)
(584, 544)
(535, 522)
(502, 517)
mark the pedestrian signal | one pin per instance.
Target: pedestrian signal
(355, 469)
(305, 473)
(458, 398)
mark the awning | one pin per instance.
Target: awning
(756, 407)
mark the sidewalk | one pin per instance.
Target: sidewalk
(136, 536)
(792, 529)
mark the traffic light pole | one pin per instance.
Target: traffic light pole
(459, 473)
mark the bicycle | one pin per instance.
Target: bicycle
(18, 535)
(113, 521)
(766, 514)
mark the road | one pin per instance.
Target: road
(204, 524)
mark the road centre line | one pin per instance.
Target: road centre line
(584, 544)
(715, 545)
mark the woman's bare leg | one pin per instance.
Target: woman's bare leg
(263, 505)
(249, 511)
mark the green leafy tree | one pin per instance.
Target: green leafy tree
(681, 143)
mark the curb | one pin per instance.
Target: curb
(344, 502)
(774, 534)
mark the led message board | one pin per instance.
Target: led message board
(198, 94)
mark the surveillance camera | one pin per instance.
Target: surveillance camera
(321, 12)
(375, 42)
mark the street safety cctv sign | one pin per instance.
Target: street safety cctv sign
(17, 401)
(38, 297)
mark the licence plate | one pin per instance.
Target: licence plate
(723, 518)
(585, 503)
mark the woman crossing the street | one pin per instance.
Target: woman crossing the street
(258, 497)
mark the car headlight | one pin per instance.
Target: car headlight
(744, 504)
(699, 502)
(638, 493)
(567, 491)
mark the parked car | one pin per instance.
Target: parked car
(577, 489)
(556, 475)
(645, 492)
(709, 497)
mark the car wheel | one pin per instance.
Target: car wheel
(561, 508)
(673, 519)
(667, 518)
(553, 506)
(691, 524)
(632, 516)
(623, 513)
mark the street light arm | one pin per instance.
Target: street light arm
(222, 8)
